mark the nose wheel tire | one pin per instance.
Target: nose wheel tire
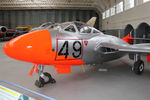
(50, 79)
(138, 67)
(41, 82)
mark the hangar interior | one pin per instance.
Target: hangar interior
(114, 81)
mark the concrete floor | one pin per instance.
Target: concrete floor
(118, 83)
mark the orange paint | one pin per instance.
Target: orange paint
(148, 58)
(128, 39)
(33, 69)
(36, 47)
(61, 69)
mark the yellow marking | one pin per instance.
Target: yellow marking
(83, 68)
(119, 34)
(6, 90)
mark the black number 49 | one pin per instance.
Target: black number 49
(76, 53)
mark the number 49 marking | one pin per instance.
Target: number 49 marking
(73, 49)
(65, 46)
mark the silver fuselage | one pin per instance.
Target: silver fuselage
(89, 54)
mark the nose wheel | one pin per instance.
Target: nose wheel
(44, 78)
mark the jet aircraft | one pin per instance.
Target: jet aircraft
(71, 43)
(3, 31)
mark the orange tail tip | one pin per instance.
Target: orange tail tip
(34, 68)
(128, 39)
(148, 58)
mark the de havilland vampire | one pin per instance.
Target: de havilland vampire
(70, 43)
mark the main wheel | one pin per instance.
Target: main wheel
(139, 67)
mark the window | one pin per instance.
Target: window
(119, 7)
(128, 4)
(107, 13)
(145, 1)
(79, 25)
(104, 15)
(85, 29)
(95, 31)
(70, 29)
(63, 25)
(46, 24)
(112, 10)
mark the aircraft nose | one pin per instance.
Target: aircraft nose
(31, 47)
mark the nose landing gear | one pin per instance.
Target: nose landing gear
(44, 78)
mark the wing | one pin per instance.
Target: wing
(140, 38)
(137, 48)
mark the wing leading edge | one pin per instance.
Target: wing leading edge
(137, 48)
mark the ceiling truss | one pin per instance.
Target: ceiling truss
(100, 5)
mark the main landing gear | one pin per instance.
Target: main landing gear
(138, 67)
(44, 78)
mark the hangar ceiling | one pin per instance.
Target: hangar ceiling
(99, 5)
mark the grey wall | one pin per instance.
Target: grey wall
(13, 18)
(133, 16)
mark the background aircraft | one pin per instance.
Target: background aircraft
(71, 43)
(7, 34)
(3, 31)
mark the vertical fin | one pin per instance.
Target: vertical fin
(92, 21)
(148, 58)
(128, 39)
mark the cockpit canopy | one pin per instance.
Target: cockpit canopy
(78, 27)
(46, 24)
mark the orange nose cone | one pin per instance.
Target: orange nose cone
(32, 47)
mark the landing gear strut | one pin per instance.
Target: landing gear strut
(44, 78)
(138, 67)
